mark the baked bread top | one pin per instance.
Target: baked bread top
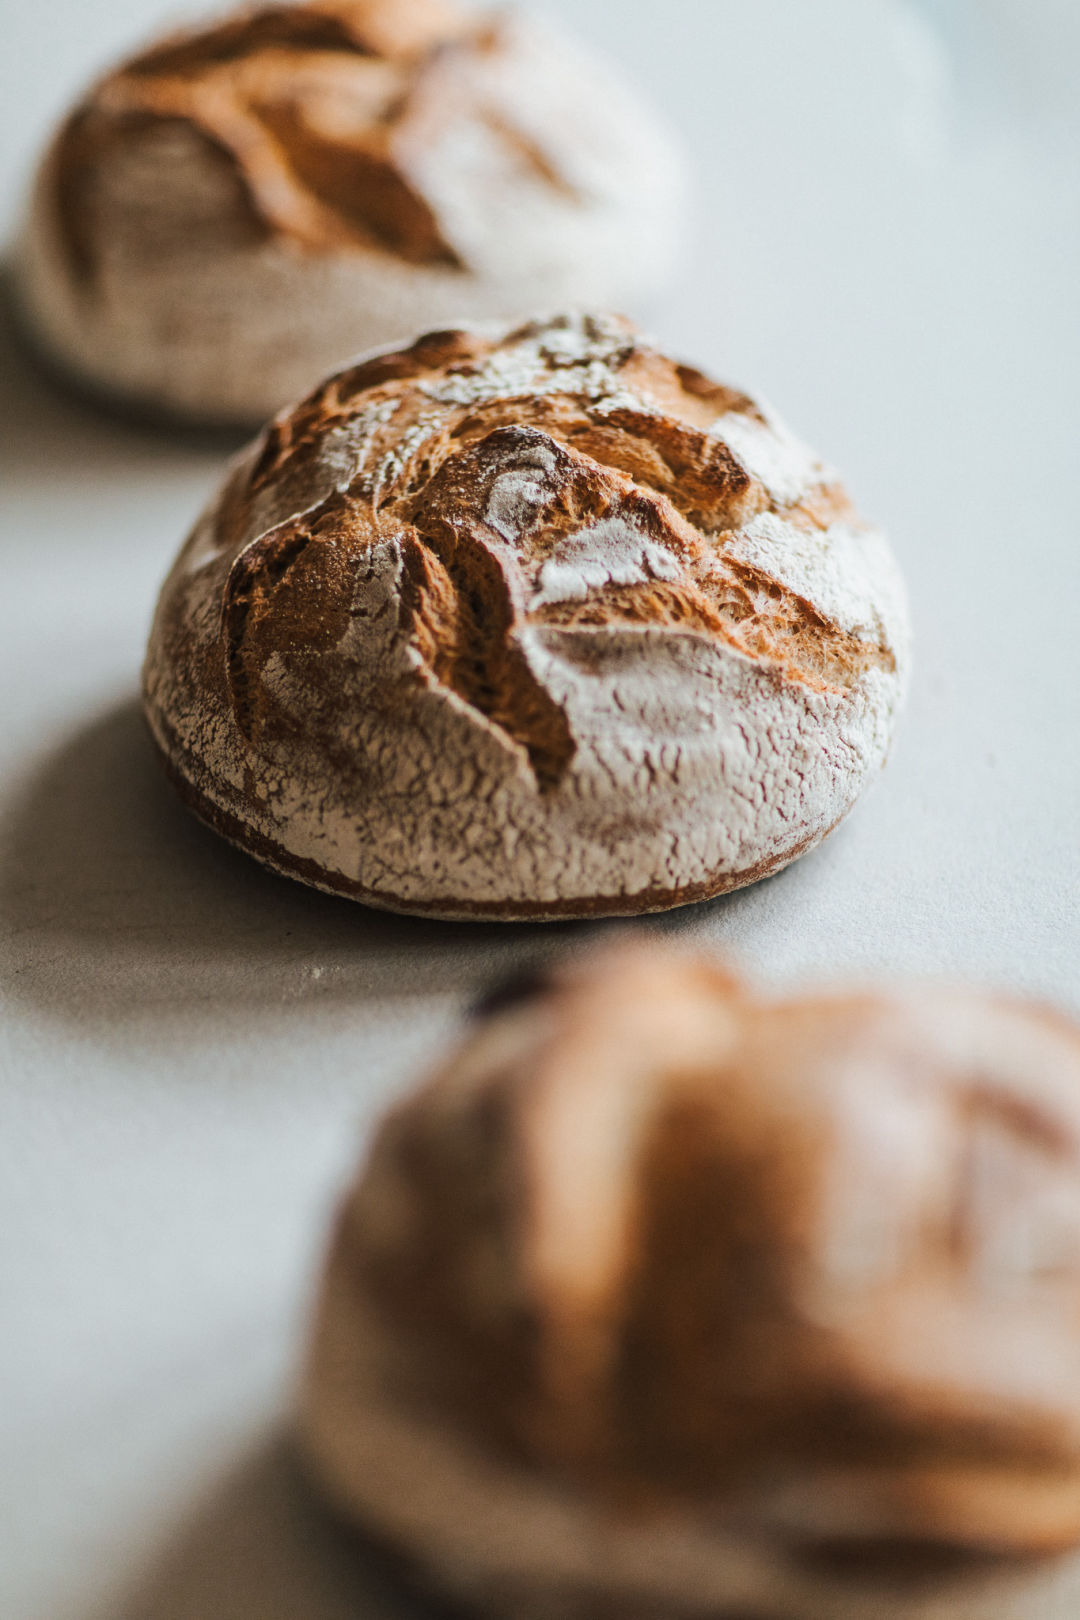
(529, 623)
(787, 1289)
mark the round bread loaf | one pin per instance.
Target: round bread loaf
(230, 214)
(533, 625)
(668, 1302)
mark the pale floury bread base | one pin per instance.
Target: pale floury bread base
(545, 1114)
(512, 1545)
(200, 319)
(622, 766)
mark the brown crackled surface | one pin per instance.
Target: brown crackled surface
(777, 1300)
(527, 533)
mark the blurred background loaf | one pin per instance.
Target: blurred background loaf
(243, 206)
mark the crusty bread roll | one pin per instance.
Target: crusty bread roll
(230, 214)
(535, 625)
(667, 1302)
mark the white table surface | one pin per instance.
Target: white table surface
(191, 1050)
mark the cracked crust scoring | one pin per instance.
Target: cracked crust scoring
(662, 1300)
(229, 214)
(502, 626)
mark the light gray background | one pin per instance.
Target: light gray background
(887, 245)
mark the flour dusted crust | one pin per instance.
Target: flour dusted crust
(501, 626)
(667, 1302)
(242, 207)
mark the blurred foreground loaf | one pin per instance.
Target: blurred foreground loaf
(242, 206)
(665, 1302)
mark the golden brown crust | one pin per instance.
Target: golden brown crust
(651, 469)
